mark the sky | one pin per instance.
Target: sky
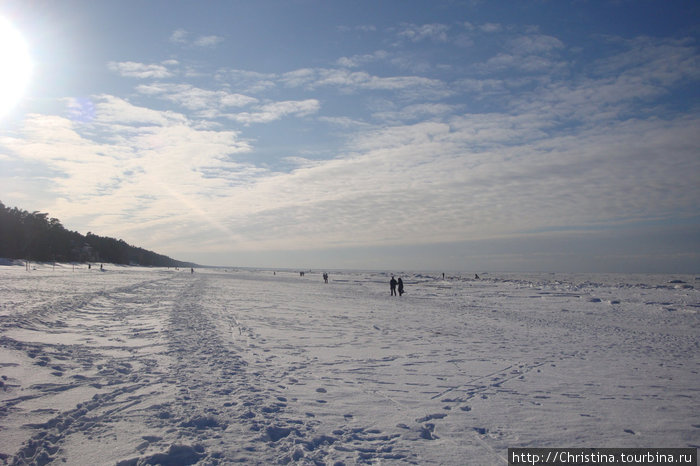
(556, 136)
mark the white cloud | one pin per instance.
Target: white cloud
(482, 87)
(415, 33)
(528, 53)
(360, 28)
(661, 62)
(339, 78)
(416, 111)
(114, 110)
(358, 60)
(351, 81)
(182, 36)
(491, 27)
(277, 110)
(616, 87)
(300, 77)
(136, 163)
(472, 177)
(208, 41)
(535, 44)
(194, 98)
(523, 63)
(344, 122)
(247, 81)
(140, 70)
(179, 36)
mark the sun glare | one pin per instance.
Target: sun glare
(15, 66)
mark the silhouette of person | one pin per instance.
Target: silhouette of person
(392, 285)
(325, 277)
(400, 286)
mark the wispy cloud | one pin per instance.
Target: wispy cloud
(535, 44)
(661, 62)
(490, 27)
(359, 60)
(118, 111)
(276, 110)
(183, 37)
(351, 81)
(194, 98)
(360, 28)
(132, 69)
(415, 33)
(415, 112)
(208, 41)
(179, 36)
(247, 81)
(127, 153)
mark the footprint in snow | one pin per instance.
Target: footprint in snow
(430, 417)
(427, 432)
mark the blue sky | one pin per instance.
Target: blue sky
(442, 135)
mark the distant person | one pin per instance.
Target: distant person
(102, 268)
(392, 285)
(191, 270)
(400, 286)
(325, 277)
(476, 276)
(443, 275)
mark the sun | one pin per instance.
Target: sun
(15, 66)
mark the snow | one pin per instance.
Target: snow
(155, 366)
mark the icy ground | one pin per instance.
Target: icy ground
(152, 366)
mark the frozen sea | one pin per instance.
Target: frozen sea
(135, 366)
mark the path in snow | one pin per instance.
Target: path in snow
(136, 366)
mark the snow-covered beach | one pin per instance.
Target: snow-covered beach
(155, 366)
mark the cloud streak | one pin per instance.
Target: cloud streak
(182, 37)
(277, 110)
(132, 69)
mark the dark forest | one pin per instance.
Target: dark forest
(36, 237)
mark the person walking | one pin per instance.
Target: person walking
(400, 286)
(392, 285)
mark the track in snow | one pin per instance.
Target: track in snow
(141, 367)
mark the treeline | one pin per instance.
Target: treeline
(36, 237)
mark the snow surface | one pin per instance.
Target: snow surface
(154, 366)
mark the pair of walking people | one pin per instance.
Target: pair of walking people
(393, 283)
